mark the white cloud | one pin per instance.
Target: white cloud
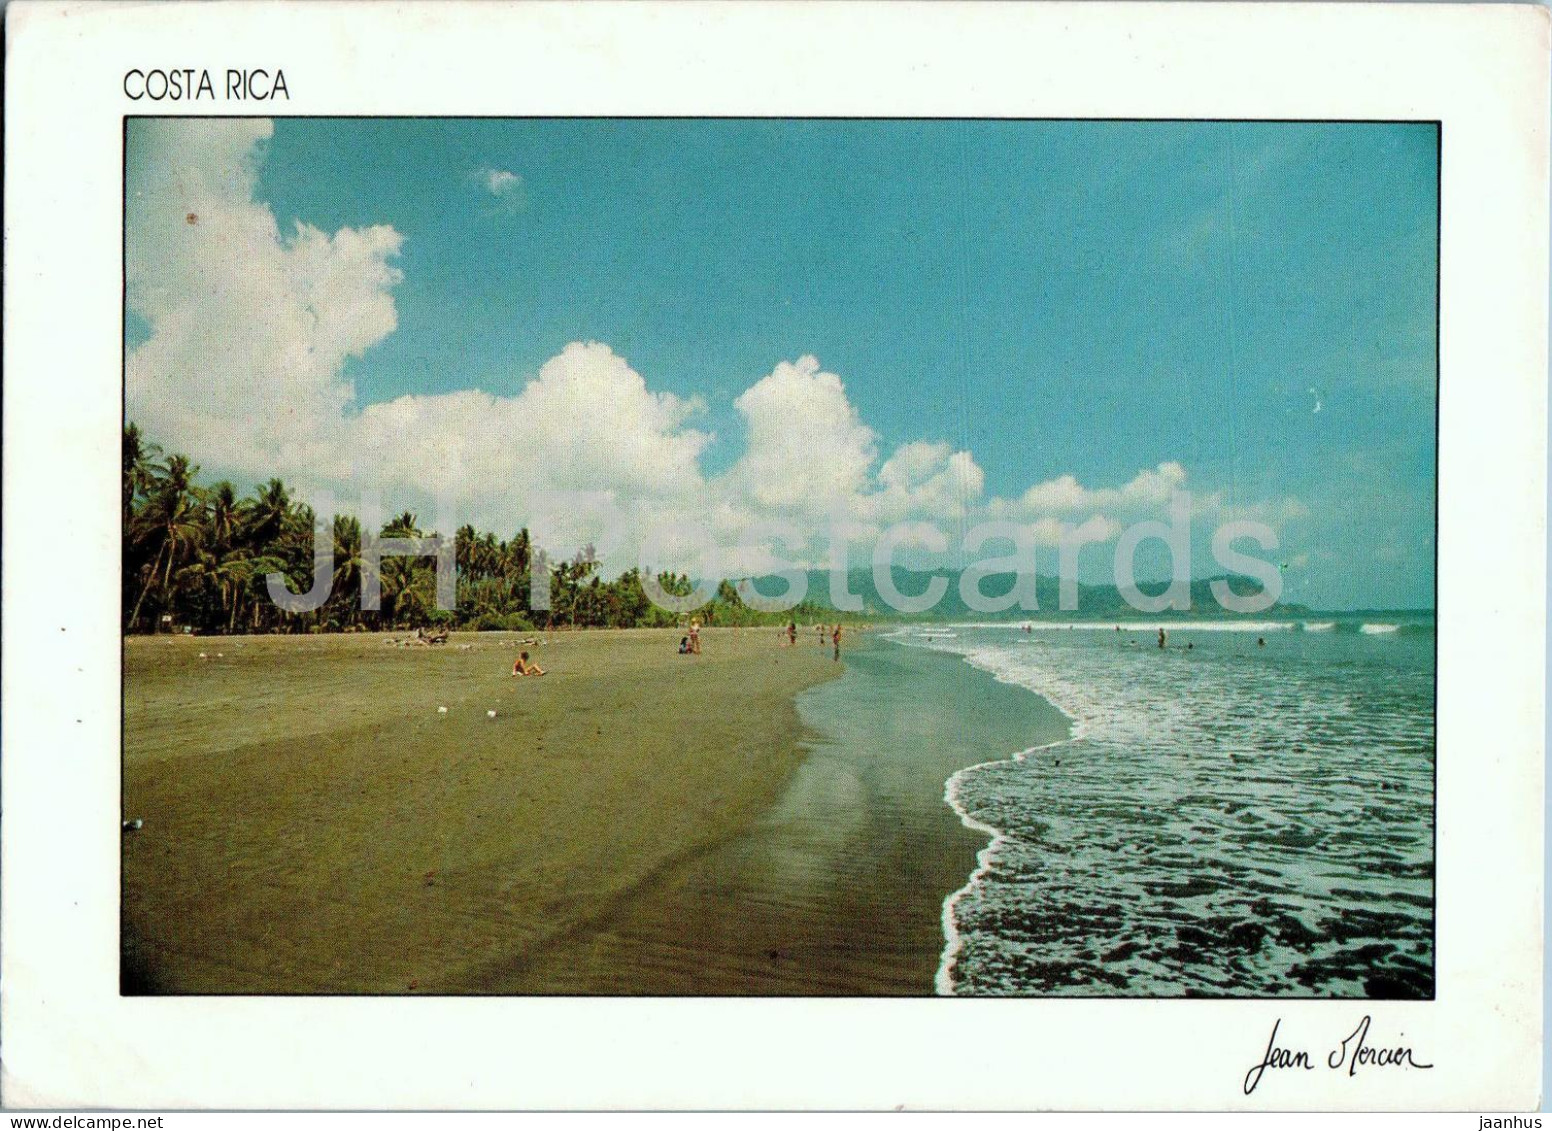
(587, 423)
(926, 480)
(808, 451)
(1064, 495)
(251, 326)
(504, 187)
(1097, 528)
(1054, 506)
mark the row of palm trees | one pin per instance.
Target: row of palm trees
(198, 557)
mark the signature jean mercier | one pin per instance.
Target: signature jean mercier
(1353, 1053)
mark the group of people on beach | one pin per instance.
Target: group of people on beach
(690, 645)
(789, 636)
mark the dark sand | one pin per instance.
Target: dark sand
(635, 822)
(312, 824)
(838, 888)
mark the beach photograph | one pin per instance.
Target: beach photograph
(779, 557)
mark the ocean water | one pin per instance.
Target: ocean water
(1229, 819)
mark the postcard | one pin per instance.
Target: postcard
(822, 541)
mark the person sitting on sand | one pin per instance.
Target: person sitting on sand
(525, 666)
(684, 645)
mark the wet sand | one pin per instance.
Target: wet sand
(838, 888)
(633, 823)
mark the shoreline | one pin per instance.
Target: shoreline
(953, 942)
(943, 982)
(738, 824)
(838, 888)
(1188, 850)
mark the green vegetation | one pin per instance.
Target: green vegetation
(198, 556)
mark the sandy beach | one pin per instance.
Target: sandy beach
(837, 888)
(312, 823)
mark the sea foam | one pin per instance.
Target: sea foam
(1223, 822)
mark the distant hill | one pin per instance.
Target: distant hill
(1102, 602)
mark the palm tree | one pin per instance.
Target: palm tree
(268, 511)
(487, 556)
(521, 551)
(350, 566)
(171, 520)
(232, 575)
(206, 554)
(224, 516)
(403, 525)
(257, 587)
(466, 548)
(140, 468)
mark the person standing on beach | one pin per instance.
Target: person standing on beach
(695, 638)
(792, 634)
(835, 638)
(1161, 638)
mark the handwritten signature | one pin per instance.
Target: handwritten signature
(1353, 1053)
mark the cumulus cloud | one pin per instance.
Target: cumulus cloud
(926, 480)
(808, 451)
(1064, 495)
(1054, 508)
(252, 324)
(1054, 531)
(584, 449)
(586, 421)
(249, 323)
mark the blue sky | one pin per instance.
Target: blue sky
(1054, 298)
